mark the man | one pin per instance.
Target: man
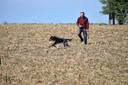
(83, 24)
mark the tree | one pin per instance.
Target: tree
(5, 23)
(121, 11)
(116, 9)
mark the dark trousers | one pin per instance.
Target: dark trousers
(81, 31)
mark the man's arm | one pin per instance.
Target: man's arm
(87, 25)
(77, 23)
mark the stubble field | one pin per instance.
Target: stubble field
(26, 59)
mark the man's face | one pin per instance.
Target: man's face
(81, 14)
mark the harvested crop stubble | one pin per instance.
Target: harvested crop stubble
(25, 58)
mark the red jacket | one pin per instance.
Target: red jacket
(83, 21)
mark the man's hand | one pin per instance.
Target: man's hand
(80, 25)
(87, 30)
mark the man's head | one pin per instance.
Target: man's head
(82, 14)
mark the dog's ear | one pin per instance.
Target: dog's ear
(50, 38)
(54, 36)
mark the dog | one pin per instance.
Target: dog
(57, 40)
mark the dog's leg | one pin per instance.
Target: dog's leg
(54, 44)
(65, 43)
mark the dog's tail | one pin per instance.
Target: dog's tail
(69, 39)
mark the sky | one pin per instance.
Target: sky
(50, 11)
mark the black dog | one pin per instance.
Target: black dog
(57, 40)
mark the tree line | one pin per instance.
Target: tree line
(116, 10)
